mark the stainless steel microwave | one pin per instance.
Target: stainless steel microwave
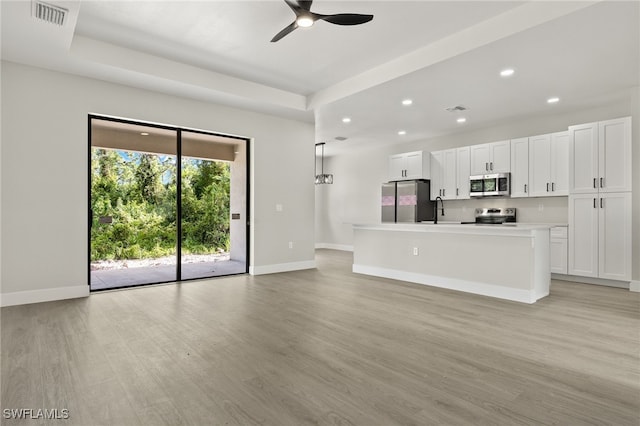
(490, 185)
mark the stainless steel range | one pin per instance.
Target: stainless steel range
(494, 216)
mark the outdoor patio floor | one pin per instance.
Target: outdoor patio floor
(115, 278)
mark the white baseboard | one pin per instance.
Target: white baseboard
(331, 246)
(517, 295)
(634, 286)
(589, 280)
(282, 267)
(44, 295)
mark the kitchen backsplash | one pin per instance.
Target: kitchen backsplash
(529, 210)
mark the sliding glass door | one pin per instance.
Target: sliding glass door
(147, 225)
(207, 166)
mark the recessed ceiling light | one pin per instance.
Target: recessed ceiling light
(407, 102)
(508, 72)
(553, 100)
(346, 120)
(402, 132)
(144, 134)
(304, 21)
(461, 120)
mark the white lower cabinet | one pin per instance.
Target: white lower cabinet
(600, 235)
(559, 250)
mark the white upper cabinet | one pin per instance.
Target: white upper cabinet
(583, 158)
(540, 165)
(549, 165)
(600, 157)
(450, 174)
(520, 167)
(560, 163)
(501, 157)
(397, 166)
(480, 157)
(437, 166)
(614, 155)
(463, 171)
(409, 165)
(492, 157)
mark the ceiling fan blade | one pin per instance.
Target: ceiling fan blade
(345, 18)
(284, 32)
(297, 9)
(305, 4)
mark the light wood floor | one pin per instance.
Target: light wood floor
(326, 346)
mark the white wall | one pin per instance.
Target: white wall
(355, 195)
(45, 184)
(238, 204)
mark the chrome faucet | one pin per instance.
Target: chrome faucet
(435, 210)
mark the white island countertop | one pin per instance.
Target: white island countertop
(508, 261)
(515, 229)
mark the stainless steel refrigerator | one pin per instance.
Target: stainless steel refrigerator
(407, 201)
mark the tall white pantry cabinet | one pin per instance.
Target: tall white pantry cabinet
(600, 200)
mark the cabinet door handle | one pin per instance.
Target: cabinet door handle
(601, 182)
(457, 191)
(486, 167)
(600, 202)
(594, 183)
(491, 165)
(525, 188)
(594, 204)
(553, 187)
(444, 191)
(547, 186)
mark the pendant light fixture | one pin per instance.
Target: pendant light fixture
(322, 178)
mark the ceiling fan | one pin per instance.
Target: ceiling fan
(306, 18)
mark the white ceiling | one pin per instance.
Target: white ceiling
(439, 53)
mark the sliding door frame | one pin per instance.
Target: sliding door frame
(178, 130)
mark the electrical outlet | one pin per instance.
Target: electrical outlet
(290, 244)
(540, 207)
(278, 207)
(415, 251)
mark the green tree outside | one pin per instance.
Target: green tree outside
(138, 191)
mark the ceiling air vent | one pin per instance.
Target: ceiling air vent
(457, 108)
(48, 12)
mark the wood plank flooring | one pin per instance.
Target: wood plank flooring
(325, 347)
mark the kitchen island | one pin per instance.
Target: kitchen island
(504, 261)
